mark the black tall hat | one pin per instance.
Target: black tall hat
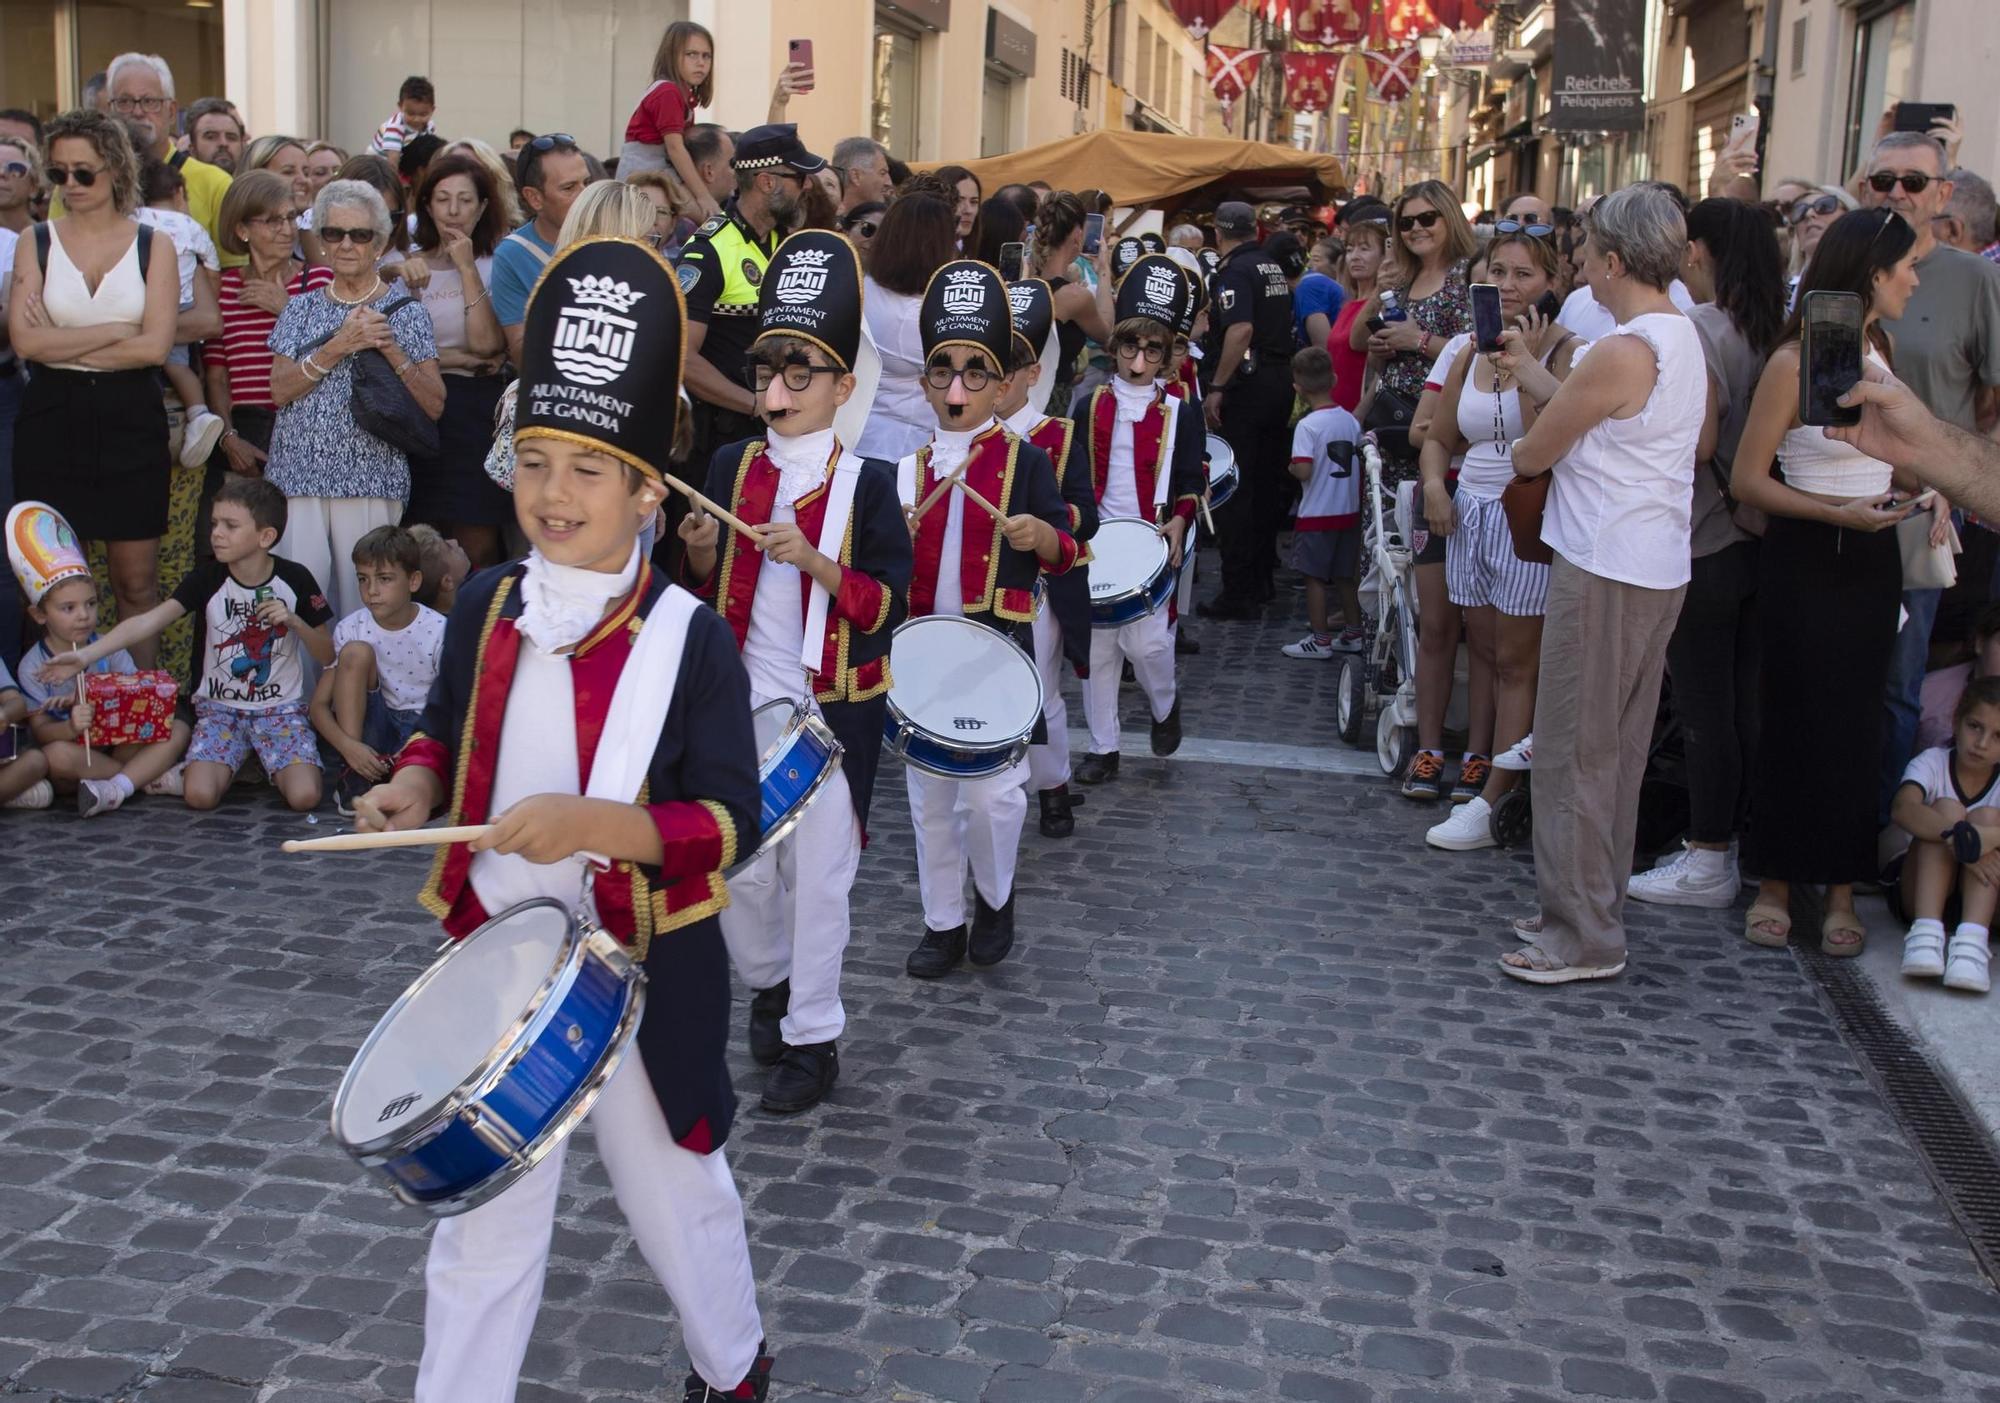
(601, 352)
(1197, 281)
(1155, 287)
(1034, 312)
(1152, 242)
(1210, 258)
(812, 290)
(1124, 254)
(965, 304)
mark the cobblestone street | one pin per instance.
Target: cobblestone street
(1249, 1114)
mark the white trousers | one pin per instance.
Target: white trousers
(959, 821)
(787, 916)
(320, 533)
(1048, 765)
(484, 1276)
(1149, 643)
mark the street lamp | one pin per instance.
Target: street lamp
(1427, 48)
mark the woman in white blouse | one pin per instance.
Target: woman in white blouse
(916, 238)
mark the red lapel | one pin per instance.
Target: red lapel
(1052, 436)
(989, 472)
(1145, 444)
(1103, 416)
(736, 586)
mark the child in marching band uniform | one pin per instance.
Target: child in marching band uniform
(1145, 452)
(1062, 624)
(583, 707)
(831, 550)
(967, 563)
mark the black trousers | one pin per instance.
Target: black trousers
(1256, 420)
(1714, 659)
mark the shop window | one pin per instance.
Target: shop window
(897, 55)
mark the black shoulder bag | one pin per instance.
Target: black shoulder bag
(381, 403)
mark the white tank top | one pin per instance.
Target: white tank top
(1815, 463)
(1622, 496)
(121, 297)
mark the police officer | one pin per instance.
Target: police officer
(1248, 400)
(721, 270)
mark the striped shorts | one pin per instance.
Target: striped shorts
(1480, 567)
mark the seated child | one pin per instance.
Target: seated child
(24, 770)
(385, 655)
(444, 565)
(166, 209)
(1943, 686)
(253, 613)
(63, 600)
(1949, 804)
(1326, 540)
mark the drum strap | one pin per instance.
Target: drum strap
(639, 703)
(839, 507)
(1170, 412)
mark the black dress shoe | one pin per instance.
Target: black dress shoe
(768, 1008)
(1096, 769)
(1185, 643)
(937, 954)
(755, 1387)
(992, 930)
(1167, 733)
(1057, 821)
(1226, 608)
(1267, 590)
(802, 1076)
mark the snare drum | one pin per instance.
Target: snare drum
(964, 701)
(798, 756)
(1222, 475)
(490, 1058)
(1129, 574)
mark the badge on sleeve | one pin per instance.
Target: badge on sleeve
(1227, 297)
(688, 275)
(710, 225)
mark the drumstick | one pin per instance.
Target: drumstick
(82, 698)
(710, 507)
(408, 838)
(936, 492)
(1206, 519)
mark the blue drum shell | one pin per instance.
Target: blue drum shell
(531, 1093)
(950, 762)
(787, 784)
(1117, 613)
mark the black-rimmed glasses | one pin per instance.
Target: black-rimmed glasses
(976, 377)
(1803, 210)
(1418, 221)
(797, 375)
(1151, 350)
(85, 176)
(1913, 182)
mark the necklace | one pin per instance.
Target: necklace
(359, 300)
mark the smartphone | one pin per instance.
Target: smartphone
(1093, 234)
(800, 51)
(1486, 324)
(1375, 324)
(1550, 305)
(1011, 257)
(1918, 116)
(1743, 131)
(1829, 356)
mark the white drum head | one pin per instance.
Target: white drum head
(1221, 457)
(771, 721)
(448, 1027)
(1125, 554)
(961, 681)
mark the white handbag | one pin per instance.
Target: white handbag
(1927, 566)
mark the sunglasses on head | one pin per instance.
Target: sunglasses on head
(1418, 221)
(1806, 208)
(542, 145)
(334, 234)
(1515, 226)
(86, 176)
(1913, 182)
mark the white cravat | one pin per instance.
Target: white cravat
(950, 447)
(801, 462)
(1024, 420)
(562, 603)
(1133, 400)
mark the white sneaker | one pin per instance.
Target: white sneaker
(1469, 826)
(172, 784)
(199, 437)
(1670, 858)
(39, 795)
(1923, 950)
(97, 796)
(1697, 877)
(1965, 965)
(1311, 647)
(1518, 757)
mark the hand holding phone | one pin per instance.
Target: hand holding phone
(1830, 349)
(1486, 320)
(1011, 258)
(1093, 234)
(800, 54)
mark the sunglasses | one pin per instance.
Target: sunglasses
(939, 377)
(14, 168)
(85, 176)
(1418, 221)
(1913, 182)
(864, 227)
(542, 145)
(1824, 204)
(334, 234)
(1515, 226)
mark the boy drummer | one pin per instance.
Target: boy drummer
(1145, 450)
(831, 551)
(1062, 625)
(539, 657)
(968, 563)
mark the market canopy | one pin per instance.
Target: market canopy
(1155, 169)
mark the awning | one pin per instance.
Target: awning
(1154, 169)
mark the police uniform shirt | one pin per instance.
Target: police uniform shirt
(1249, 286)
(720, 273)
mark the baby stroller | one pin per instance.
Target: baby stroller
(1382, 677)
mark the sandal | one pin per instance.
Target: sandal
(1528, 929)
(1923, 951)
(1538, 966)
(1841, 935)
(1768, 916)
(1966, 967)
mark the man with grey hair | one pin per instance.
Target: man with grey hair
(1948, 352)
(863, 166)
(1969, 216)
(1187, 236)
(142, 90)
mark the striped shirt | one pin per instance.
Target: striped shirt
(244, 346)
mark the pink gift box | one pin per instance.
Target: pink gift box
(131, 708)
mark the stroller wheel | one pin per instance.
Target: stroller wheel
(1393, 743)
(1350, 700)
(1514, 816)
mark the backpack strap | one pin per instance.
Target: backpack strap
(42, 237)
(541, 259)
(145, 249)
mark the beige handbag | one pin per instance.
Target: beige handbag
(1926, 566)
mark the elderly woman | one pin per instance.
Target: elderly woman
(342, 481)
(1806, 219)
(91, 439)
(1620, 437)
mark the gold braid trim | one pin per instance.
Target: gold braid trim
(731, 542)
(728, 826)
(431, 897)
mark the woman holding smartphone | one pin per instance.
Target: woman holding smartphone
(1829, 588)
(1082, 312)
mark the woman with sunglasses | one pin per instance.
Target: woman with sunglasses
(380, 176)
(458, 225)
(860, 225)
(91, 440)
(341, 481)
(1806, 219)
